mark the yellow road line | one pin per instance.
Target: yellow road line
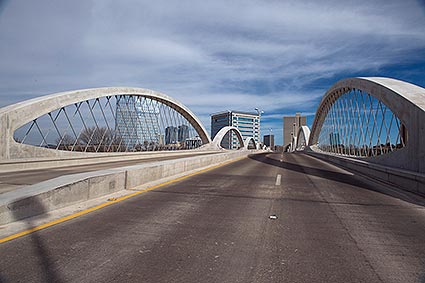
(115, 200)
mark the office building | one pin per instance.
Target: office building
(269, 141)
(183, 133)
(334, 139)
(171, 135)
(194, 142)
(135, 123)
(247, 123)
(291, 125)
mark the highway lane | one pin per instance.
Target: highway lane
(331, 226)
(12, 180)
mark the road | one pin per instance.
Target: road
(10, 181)
(331, 226)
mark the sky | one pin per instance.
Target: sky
(278, 56)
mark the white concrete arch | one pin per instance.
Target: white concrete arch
(223, 131)
(293, 143)
(302, 138)
(14, 116)
(247, 140)
(405, 100)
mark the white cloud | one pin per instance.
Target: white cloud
(211, 55)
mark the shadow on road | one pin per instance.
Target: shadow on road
(44, 262)
(353, 180)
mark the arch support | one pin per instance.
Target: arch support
(248, 140)
(303, 136)
(380, 119)
(95, 102)
(216, 143)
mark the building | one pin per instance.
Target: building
(175, 135)
(269, 141)
(334, 139)
(171, 135)
(247, 123)
(291, 125)
(191, 143)
(135, 124)
(183, 133)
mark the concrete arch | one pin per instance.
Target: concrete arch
(14, 116)
(247, 140)
(220, 135)
(405, 100)
(302, 135)
(293, 143)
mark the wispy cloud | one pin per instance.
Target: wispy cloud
(211, 55)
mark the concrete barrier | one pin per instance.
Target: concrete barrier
(71, 189)
(403, 179)
(23, 164)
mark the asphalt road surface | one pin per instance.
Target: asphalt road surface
(10, 181)
(331, 226)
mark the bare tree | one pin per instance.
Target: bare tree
(66, 142)
(96, 139)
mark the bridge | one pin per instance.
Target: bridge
(125, 184)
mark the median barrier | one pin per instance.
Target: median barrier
(24, 164)
(71, 189)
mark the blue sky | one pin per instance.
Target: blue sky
(279, 56)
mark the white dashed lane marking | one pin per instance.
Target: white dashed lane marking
(278, 179)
